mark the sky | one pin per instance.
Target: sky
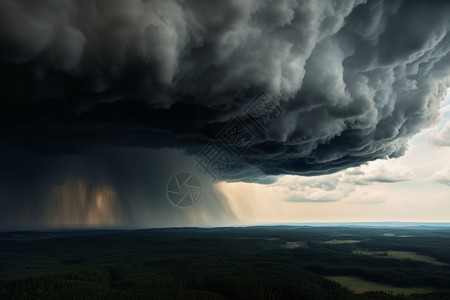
(412, 188)
(152, 113)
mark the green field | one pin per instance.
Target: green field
(295, 245)
(336, 242)
(360, 286)
(401, 255)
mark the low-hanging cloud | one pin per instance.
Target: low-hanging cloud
(354, 79)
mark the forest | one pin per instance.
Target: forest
(265, 262)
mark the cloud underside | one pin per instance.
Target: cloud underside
(354, 80)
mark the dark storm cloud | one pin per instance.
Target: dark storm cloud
(354, 79)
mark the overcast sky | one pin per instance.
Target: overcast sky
(314, 111)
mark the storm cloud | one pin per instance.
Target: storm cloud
(352, 82)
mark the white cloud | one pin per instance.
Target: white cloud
(325, 188)
(379, 171)
(442, 176)
(334, 187)
(441, 138)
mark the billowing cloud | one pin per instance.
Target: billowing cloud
(354, 80)
(442, 176)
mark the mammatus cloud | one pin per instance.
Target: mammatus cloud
(355, 80)
(441, 138)
(442, 176)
